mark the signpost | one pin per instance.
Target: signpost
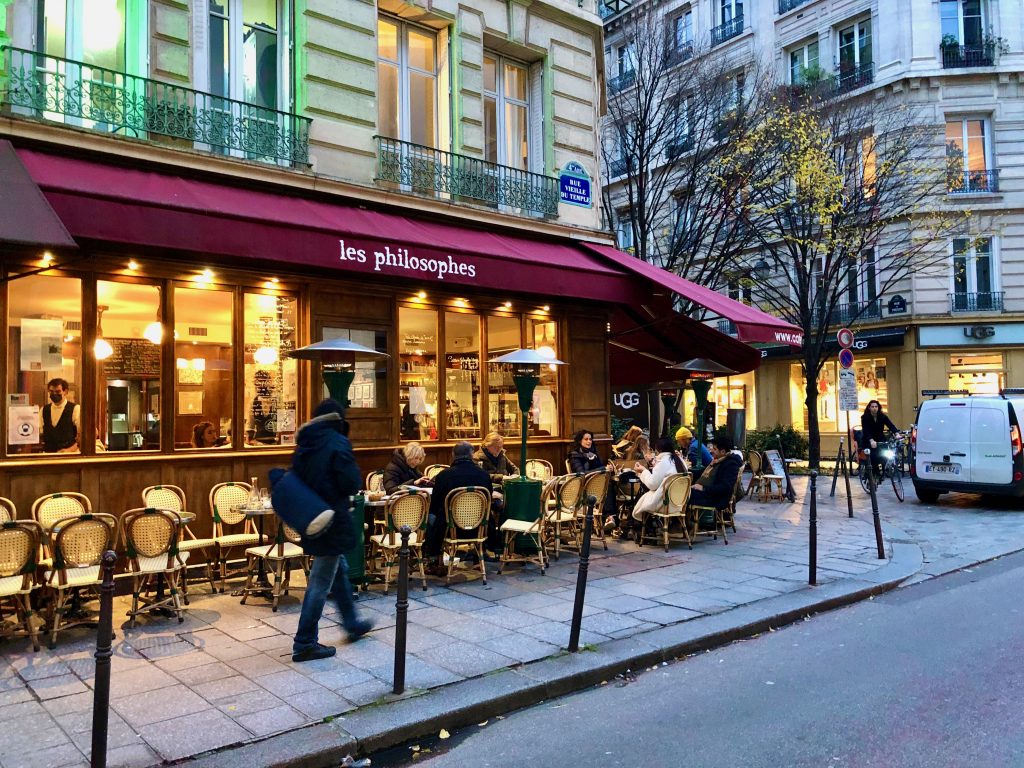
(848, 401)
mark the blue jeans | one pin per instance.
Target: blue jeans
(327, 577)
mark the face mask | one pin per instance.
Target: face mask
(55, 397)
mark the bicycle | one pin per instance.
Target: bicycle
(893, 453)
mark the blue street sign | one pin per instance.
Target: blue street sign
(574, 185)
(846, 358)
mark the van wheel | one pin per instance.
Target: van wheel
(926, 495)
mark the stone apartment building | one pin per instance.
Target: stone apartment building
(962, 62)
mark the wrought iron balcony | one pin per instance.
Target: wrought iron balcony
(679, 53)
(622, 81)
(788, 5)
(726, 31)
(978, 55)
(961, 182)
(854, 76)
(617, 167)
(678, 146)
(434, 171)
(855, 310)
(71, 92)
(986, 301)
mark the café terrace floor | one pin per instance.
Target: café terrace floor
(224, 676)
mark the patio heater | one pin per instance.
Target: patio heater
(338, 357)
(700, 371)
(522, 494)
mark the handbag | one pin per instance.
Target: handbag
(299, 505)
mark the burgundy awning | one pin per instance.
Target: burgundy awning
(751, 323)
(26, 218)
(139, 207)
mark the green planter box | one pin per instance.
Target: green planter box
(522, 502)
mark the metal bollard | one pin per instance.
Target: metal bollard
(812, 551)
(104, 640)
(581, 577)
(402, 610)
(846, 479)
(874, 513)
(835, 471)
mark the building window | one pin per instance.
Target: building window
(506, 112)
(975, 277)
(504, 334)
(270, 374)
(129, 334)
(680, 32)
(962, 22)
(97, 37)
(740, 289)
(406, 82)
(245, 52)
(44, 342)
(624, 231)
(803, 63)
(854, 47)
(462, 375)
(978, 374)
(204, 368)
(542, 335)
(868, 165)
(968, 156)
(417, 387)
(730, 10)
(369, 383)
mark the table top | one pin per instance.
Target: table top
(186, 517)
(254, 511)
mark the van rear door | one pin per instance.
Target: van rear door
(943, 432)
(991, 459)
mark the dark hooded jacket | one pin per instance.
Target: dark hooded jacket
(324, 460)
(718, 481)
(398, 472)
(498, 467)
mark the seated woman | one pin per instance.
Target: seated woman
(206, 435)
(666, 463)
(401, 470)
(584, 458)
(492, 458)
(625, 444)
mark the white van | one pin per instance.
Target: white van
(968, 444)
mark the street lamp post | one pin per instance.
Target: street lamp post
(338, 358)
(701, 371)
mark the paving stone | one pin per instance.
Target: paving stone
(63, 755)
(562, 610)
(467, 659)
(250, 701)
(286, 683)
(665, 614)
(317, 705)
(418, 674)
(271, 721)
(343, 676)
(472, 629)
(56, 687)
(77, 702)
(510, 618)
(215, 670)
(367, 692)
(141, 709)
(193, 733)
(605, 623)
(522, 648)
(619, 603)
(131, 756)
(457, 601)
(557, 633)
(259, 664)
(15, 695)
(78, 727)
(224, 687)
(36, 730)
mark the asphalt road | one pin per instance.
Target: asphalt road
(929, 675)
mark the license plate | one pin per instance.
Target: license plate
(949, 469)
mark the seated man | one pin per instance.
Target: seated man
(716, 484)
(463, 473)
(688, 448)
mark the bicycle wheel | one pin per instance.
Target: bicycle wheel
(862, 471)
(896, 476)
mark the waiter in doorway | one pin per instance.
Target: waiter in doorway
(61, 419)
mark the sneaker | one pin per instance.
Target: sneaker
(359, 628)
(315, 652)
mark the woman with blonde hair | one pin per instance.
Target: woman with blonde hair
(622, 448)
(492, 458)
(401, 470)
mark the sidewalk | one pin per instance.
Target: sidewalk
(223, 679)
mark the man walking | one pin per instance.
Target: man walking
(323, 459)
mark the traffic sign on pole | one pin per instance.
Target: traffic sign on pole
(845, 338)
(846, 358)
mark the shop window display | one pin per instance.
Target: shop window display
(981, 374)
(462, 375)
(129, 335)
(872, 384)
(543, 336)
(204, 367)
(44, 342)
(271, 375)
(504, 334)
(369, 384)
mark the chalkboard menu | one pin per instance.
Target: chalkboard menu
(137, 358)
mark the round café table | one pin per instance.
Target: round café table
(260, 514)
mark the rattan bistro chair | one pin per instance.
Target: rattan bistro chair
(78, 545)
(375, 481)
(279, 556)
(405, 507)
(539, 469)
(52, 508)
(561, 510)
(532, 529)
(225, 498)
(19, 547)
(173, 498)
(7, 510)
(674, 494)
(466, 510)
(595, 484)
(150, 538)
(434, 470)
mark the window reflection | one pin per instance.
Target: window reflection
(369, 385)
(271, 381)
(203, 375)
(44, 342)
(462, 375)
(543, 336)
(417, 388)
(129, 332)
(504, 334)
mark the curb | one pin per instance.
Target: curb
(415, 715)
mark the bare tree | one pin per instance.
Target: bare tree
(846, 197)
(674, 112)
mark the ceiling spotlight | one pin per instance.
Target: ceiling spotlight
(133, 265)
(545, 308)
(508, 305)
(421, 295)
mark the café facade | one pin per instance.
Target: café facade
(170, 304)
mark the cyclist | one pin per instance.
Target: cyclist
(873, 424)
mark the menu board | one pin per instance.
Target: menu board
(133, 357)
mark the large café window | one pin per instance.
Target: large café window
(44, 342)
(129, 332)
(271, 376)
(477, 397)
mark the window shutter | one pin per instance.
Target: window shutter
(536, 137)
